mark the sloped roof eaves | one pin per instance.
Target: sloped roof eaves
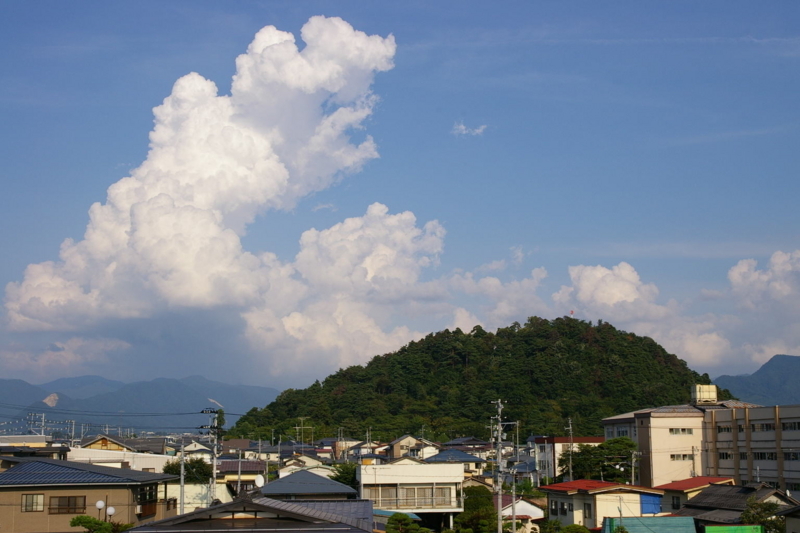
(295, 509)
(693, 483)
(54, 472)
(596, 487)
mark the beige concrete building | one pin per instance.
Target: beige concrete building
(755, 444)
(670, 439)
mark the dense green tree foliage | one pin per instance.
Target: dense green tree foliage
(609, 461)
(402, 523)
(195, 469)
(346, 474)
(763, 514)
(95, 525)
(479, 515)
(546, 371)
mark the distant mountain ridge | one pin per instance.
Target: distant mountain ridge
(775, 383)
(160, 404)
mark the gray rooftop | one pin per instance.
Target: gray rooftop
(304, 482)
(40, 471)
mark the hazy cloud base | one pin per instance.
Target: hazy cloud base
(166, 245)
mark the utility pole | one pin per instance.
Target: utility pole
(214, 431)
(498, 432)
(634, 455)
(183, 473)
(569, 428)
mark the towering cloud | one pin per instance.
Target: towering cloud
(169, 235)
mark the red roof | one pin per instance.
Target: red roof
(592, 485)
(693, 483)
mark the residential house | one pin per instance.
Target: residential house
(45, 494)
(678, 493)
(240, 476)
(587, 502)
(792, 515)
(549, 450)
(724, 504)
(50, 452)
(320, 470)
(472, 465)
(259, 513)
(431, 490)
(146, 462)
(670, 439)
(471, 445)
(304, 485)
(157, 445)
(408, 446)
(523, 511)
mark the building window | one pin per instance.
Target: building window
(765, 456)
(32, 503)
(563, 508)
(681, 431)
(681, 457)
(762, 427)
(541, 448)
(571, 508)
(67, 505)
(553, 507)
(723, 429)
(724, 456)
(610, 432)
(790, 426)
(791, 456)
(587, 511)
(743, 456)
(793, 486)
(622, 432)
(676, 502)
(741, 428)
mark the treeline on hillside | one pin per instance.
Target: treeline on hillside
(545, 371)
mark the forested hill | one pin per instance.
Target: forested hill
(545, 371)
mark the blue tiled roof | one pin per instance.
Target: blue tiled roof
(454, 456)
(54, 472)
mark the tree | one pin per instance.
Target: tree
(346, 473)
(479, 515)
(402, 523)
(574, 528)
(601, 461)
(93, 525)
(196, 470)
(550, 526)
(763, 514)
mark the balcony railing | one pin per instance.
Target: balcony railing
(417, 503)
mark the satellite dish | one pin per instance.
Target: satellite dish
(259, 481)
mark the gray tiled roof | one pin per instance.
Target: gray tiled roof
(304, 482)
(55, 472)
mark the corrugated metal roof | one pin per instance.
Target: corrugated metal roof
(55, 472)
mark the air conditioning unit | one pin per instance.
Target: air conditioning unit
(138, 509)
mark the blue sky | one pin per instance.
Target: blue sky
(632, 162)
